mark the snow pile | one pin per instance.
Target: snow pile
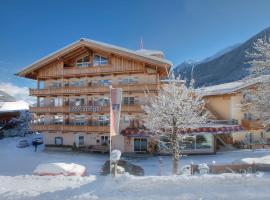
(259, 160)
(54, 169)
(17, 105)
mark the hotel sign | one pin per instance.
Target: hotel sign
(85, 108)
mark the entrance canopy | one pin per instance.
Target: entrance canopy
(207, 128)
(213, 129)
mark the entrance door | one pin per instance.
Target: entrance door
(140, 144)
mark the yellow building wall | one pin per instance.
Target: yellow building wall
(236, 107)
(220, 105)
(227, 107)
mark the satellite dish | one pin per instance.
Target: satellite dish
(115, 155)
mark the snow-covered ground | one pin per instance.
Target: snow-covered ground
(17, 165)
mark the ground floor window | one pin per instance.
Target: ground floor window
(105, 140)
(58, 141)
(204, 141)
(81, 140)
(140, 144)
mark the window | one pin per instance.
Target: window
(56, 84)
(81, 140)
(99, 60)
(100, 120)
(83, 62)
(57, 101)
(58, 119)
(104, 82)
(188, 142)
(41, 101)
(102, 102)
(128, 80)
(58, 141)
(79, 120)
(103, 120)
(128, 100)
(77, 83)
(204, 141)
(79, 102)
(41, 119)
(140, 144)
(105, 140)
(41, 84)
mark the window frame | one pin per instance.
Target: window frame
(56, 138)
(83, 63)
(100, 63)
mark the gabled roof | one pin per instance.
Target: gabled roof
(95, 45)
(231, 87)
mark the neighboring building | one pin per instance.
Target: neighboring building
(226, 104)
(73, 93)
(14, 116)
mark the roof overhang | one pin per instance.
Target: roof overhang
(159, 62)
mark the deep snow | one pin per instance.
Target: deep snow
(16, 181)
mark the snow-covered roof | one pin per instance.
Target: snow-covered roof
(143, 55)
(14, 106)
(150, 52)
(231, 87)
(4, 97)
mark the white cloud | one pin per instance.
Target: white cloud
(19, 93)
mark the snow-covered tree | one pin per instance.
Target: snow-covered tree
(176, 108)
(259, 58)
(257, 99)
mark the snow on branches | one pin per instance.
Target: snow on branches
(175, 108)
(259, 58)
(257, 99)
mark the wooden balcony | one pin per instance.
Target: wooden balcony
(92, 90)
(251, 124)
(103, 109)
(70, 128)
(92, 70)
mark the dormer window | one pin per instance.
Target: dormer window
(83, 62)
(100, 60)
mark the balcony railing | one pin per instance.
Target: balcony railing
(70, 128)
(92, 70)
(251, 124)
(98, 109)
(92, 90)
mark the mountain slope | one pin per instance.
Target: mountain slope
(230, 66)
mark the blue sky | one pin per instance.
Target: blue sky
(183, 29)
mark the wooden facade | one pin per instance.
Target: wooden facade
(73, 89)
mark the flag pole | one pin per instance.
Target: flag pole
(110, 136)
(115, 113)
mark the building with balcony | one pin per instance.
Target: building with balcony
(227, 104)
(73, 93)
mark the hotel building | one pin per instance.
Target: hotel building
(73, 94)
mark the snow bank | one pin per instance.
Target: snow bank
(54, 169)
(225, 186)
(260, 160)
